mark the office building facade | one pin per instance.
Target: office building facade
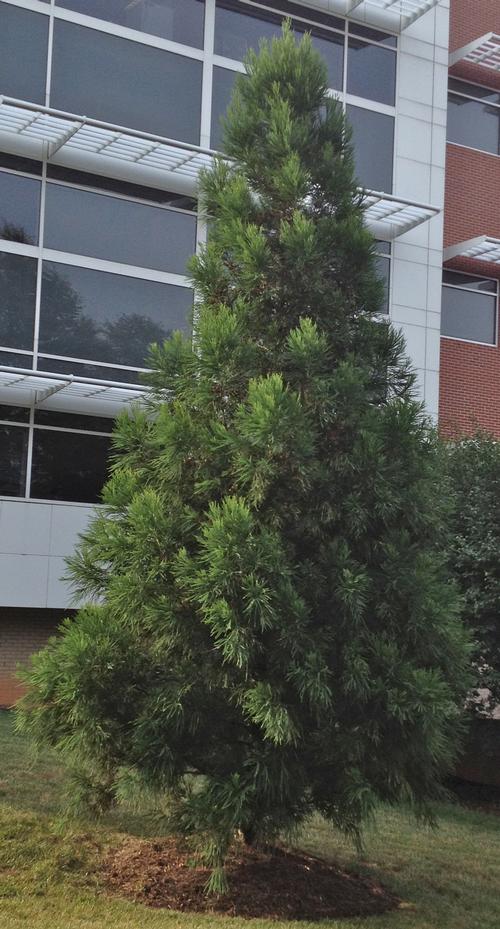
(107, 112)
(470, 353)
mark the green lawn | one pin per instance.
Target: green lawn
(449, 879)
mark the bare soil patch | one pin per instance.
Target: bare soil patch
(273, 885)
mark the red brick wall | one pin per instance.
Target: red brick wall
(470, 374)
(471, 19)
(22, 632)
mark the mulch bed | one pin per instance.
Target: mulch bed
(273, 885)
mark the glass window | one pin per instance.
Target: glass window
(180, 20)
(125, 83)
(371, 72)
(468, 310)
(23, 61)
(383, 266)
(99, 316)
(68, 465)
(383, 38)
(473, 123)
(238, 28)
(222, 89)
(16, 163)
(101, 226)
(13, 457)
(19, 208)
(73, 421)
(373, 139)
(14, 414)
(113, 185)
(456, 279)
(16, 360)
(17, 300)
(98, 372)
(474, 90)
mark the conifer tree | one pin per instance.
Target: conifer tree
(270, 631)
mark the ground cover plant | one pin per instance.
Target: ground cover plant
(276, 636)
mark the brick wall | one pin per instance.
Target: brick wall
(469, 373)
(22, 632)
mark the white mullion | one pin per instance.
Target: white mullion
(35, 6)
(73, 431)
(133, 35)
(116, 195)
(38, 292)
(115, 267)
(207, 78)
(345, 65)
(19, 248)
(48, 356)
(29, 457)
(372, 105)
(297, 17)
(50, 45)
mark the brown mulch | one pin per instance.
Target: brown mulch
(274, 885)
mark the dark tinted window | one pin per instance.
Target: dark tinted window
(19, 208)
(382, 38)
(240, 27)
(107, 317)
(456, 279)
(371, 72)
(113, 185)
(14, 414)
(23, 58)
(17, 300)
(68, 466)
(373, 138)
(473, 123)
(98, 372)
(474, 90)
(20, 164)
(120, 230)
(16, 360)
(73, 421)
(469, 315)
(222, 88)
(126, 83)
(180, 20)
(13, 452)
(384, 270)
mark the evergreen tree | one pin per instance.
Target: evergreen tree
(473, 468)
(272, 633)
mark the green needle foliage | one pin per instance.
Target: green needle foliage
(473, 467)
(272, 632)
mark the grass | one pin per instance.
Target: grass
(448, 879)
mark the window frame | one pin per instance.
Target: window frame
(340, 26)
(31, 427)
(41, 253)
(345, 98)
(473, 99)
(495, 296)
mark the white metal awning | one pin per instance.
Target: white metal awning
(19, 386)
(395, 15)
(388, 217)
(484, 52)
(482, 248)
(90, 145)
